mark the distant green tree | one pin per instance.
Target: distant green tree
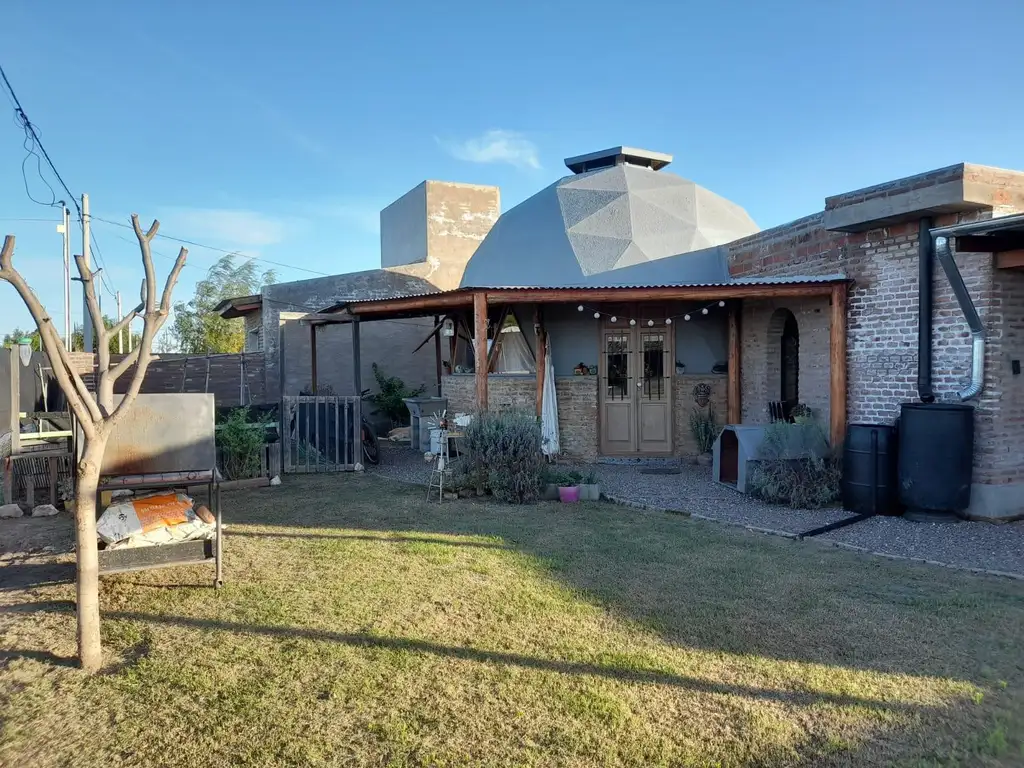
(197, 328)
(12, 338)
(78, 338)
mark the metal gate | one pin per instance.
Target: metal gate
(320, 434)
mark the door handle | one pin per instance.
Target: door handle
(639, 384)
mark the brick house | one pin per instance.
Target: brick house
(658, 296)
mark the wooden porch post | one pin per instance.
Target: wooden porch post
(437, 353)
(480, 348)
(357, 378)
(541, 356)
(312, 357)
(734, 405)
(837, 365)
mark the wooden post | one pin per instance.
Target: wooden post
(312, 357)
(542, 356)
(437, 352)
(480, 348)
(837, 365)
(734, 403)
(357, 376)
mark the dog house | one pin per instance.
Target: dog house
(736, 447)
(739, 446)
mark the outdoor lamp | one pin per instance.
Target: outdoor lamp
(25, 350)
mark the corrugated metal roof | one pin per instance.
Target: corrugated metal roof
(739, 281)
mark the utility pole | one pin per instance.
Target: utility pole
(87, 329)
(120, 332)
(65, 229)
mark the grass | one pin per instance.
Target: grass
(362, 626)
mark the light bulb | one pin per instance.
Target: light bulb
(650, 323)
(579, 308)
(704, 311)
(597, 315)
(632, 322)
(614, 318)
(721, 303)
(668, 321)
(686, 317)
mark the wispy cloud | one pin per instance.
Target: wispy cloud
(239, 229)
(497, 146)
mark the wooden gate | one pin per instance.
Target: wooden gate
(320, 434)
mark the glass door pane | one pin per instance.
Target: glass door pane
(653, 368)
(617, 380)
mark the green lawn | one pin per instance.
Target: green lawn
(361, 626)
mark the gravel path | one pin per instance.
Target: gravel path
(982, 546)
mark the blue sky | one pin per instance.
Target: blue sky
(281, 129)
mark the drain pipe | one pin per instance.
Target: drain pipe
(956, 280)
(925, 271)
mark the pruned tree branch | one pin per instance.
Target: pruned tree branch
(123, 323)
(153, 319)
(79, 398)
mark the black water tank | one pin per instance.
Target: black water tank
(936, 454)
(869, 470)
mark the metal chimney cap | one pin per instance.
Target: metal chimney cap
(617, 156)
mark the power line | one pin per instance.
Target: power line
(218, 250)
(31, 142)
(31, 130)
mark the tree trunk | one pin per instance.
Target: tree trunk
(89, 651)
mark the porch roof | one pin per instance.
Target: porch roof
(424, 304)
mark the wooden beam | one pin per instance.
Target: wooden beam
(541, 357)
(438, 322)
(426, 305)
(480, 348)
(312, 357)
(734, 403)
(837, 366)
(1010, 259)
(357, 365)
(1007, 241)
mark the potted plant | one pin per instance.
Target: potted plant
(589, 488)
(704, 426)
(569, 488)
(551, 480)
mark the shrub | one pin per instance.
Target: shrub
(241, 442)
(704, 426)
(791, 469)
(391, 395)
(506, 448)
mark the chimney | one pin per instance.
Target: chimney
(434, 229)
(605, 158)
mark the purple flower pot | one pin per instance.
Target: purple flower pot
(569, 494)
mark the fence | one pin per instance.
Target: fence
(320, 434)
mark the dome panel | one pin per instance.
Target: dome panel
(602, 226)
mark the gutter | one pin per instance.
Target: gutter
(940, 241)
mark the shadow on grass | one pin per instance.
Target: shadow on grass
(24, 574)
(397, 539)
(696, 584)
(363, 640)
(44, 657)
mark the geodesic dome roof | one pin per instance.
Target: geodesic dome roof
(584, 228)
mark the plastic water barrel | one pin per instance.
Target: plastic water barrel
(870, 470)
(936, 456)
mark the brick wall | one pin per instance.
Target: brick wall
(762, 323)
(577, 405)
(684, 403)
(882, 328)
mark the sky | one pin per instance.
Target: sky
(279, 130)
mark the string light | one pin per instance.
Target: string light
(650, 323)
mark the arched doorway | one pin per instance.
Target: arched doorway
(783, 364)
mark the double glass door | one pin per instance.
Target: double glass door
(635, 397)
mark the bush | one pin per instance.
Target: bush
(704, 426)
(506, 448)
(241, 442)
(391, 395)
(563, 478)
(792, 471)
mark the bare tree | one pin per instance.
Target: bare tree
(97, 414)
